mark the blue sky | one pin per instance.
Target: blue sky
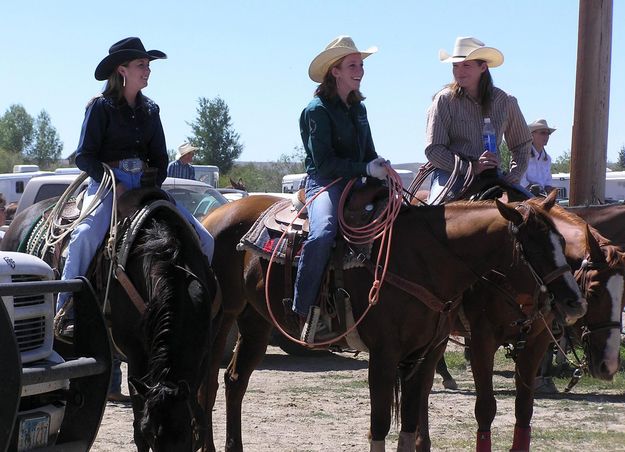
(255, 55)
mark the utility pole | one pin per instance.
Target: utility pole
(592, 101)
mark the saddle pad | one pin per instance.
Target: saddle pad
(263, 241)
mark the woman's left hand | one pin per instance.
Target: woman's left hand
(486, 161)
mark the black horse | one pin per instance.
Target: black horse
(166, 331)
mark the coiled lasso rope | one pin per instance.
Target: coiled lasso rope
(57, 231)
(382, 226)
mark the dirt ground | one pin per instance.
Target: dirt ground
(322, 404)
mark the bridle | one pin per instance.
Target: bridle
(582, 277)
(185, 391)
(541, 282)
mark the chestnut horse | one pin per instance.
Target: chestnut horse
(467, 239)
(164, 331)
(600, 274)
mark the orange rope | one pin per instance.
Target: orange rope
(382, 226)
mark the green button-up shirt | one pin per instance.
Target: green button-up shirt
(337, 138)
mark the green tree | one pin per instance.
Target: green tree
(621, 159)
(16, 130)
(266, 176)
(47, 145)
(8, 159)
(504, 156)
(562, 163)
(214, 135)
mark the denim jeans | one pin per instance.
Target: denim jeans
(440, 178)
(88, 235)
(323, 227)
(438, 181)
(116, 378)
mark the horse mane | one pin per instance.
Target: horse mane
(614, 254)
(158, 249)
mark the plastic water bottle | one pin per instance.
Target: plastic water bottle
(489, 137)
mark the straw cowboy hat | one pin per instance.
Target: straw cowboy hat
(184, 149)
(470, 48)
(127, 49)
(337, 49)
(540, 124)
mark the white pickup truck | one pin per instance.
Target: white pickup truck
(52, 395)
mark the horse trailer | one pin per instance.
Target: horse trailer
(614, 185)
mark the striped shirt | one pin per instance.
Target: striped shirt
(181, 170)
(454, 126)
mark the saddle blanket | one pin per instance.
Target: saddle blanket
(264, 241)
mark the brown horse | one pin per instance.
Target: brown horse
(468, 239)
(600, 274)
(607, 218)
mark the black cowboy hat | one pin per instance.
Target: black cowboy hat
(122, 51)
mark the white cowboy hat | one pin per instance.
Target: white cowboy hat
(337, 49)
(184, 149)
(470, 48)
(540, 124)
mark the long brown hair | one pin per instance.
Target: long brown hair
(484, 89)
(115, 85)
(327, 88)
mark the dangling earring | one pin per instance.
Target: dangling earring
(124, 81)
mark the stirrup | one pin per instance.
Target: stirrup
(313, 330)
(310, 327)
(64, 323)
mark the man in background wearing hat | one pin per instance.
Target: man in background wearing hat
(537, 178)
(181, 167)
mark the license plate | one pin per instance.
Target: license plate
(33, 432)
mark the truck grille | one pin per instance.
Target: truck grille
(30, 333)
(27, 300)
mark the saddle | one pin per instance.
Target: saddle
(290, 214)
(284, 218)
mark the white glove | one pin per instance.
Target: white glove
(377, 168)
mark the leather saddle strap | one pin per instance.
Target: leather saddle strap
(289, 255)
(130, 289)
(339, 284)
(416, 290)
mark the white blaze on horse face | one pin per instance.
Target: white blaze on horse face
(615, 288)
(560, 260)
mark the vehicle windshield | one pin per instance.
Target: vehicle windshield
(199, 200)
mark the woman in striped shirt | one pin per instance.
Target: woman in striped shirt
(456, 117)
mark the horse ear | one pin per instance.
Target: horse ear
(509, 213)
(138, 387)
(596, 254)
(550, 200)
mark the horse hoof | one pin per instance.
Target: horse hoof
(450, 384)
(544, 385)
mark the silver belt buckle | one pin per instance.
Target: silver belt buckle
(134, 165)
